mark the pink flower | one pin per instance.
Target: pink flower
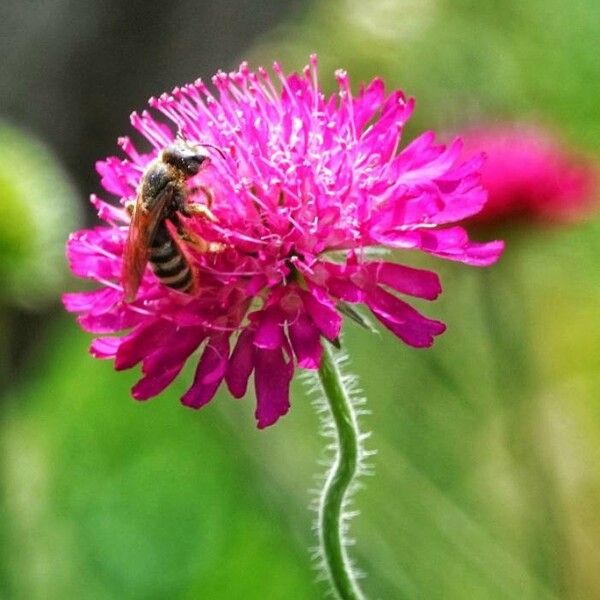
(306, 187)
(531, 174)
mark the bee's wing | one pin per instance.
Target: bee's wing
(142, 230)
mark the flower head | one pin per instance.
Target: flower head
(305, 187)
(530, 174)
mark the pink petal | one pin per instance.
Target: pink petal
(306, 342)
(451, 243)
(98, 301)
(116, 176)
(269, 334)
(433, 168)
(105, 347)
(368, 102)
(241, 364)
(406, 280)
(403, 320)
(345, 289)
(272, 379)
(141, 342)
(478, 255)
(175, 350)
(210, 372)
(151, 385)
(322, 312)
(95, 253)
(417, 153)
(383, 134)
(108, 212)
(433, 206)
(110, 322)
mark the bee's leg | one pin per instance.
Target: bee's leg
(200, 244)
(199, 210)
(190, 209)
(193, 240)
(203, 210)
(129, 207)
(206, 191)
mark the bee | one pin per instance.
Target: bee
(162, 196)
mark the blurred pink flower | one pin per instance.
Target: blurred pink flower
(308, 186)
(531, 174)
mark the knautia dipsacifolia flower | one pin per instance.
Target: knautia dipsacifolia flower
(307, 184)
(531, 174)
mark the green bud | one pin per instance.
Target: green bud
(38, 209)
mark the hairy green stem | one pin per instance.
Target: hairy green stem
(338, 480)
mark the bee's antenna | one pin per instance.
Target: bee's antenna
(180, 138)
(219, 150)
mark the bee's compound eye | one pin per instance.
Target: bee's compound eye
(193, 163)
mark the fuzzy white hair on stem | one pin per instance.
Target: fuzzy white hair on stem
(338, 401)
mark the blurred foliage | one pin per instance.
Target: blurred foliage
(108, 498)
(39, 208)
(487, 478)
(463, 60)
(74, 71)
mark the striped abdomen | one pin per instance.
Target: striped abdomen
(168, 263)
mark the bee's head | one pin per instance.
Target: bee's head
(184, 156)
